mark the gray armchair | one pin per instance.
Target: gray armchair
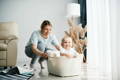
(8, 43)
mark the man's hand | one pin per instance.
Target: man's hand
(45, 55)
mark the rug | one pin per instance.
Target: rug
(15, 76)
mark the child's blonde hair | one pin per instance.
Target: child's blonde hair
(65, 37)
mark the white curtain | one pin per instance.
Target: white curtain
(99, 43)
(103, 17)
(115, 38)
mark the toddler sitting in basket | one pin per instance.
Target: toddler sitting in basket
(66, 50)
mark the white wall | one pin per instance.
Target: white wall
(29, 14)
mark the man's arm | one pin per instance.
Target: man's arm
(38, 52)
(57, 47)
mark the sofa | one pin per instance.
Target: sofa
(62, 66)
(8, 43)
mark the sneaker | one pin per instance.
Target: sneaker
(31, 66)
(42, 67)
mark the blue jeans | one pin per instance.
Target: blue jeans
(29, 53)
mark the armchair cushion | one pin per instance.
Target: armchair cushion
(8, 30)
(3, 47)
(3, 55)
(8, 43)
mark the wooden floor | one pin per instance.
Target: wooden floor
(87, 73)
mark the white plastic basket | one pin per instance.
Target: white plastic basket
(63, 66)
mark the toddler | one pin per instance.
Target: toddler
(67, 48)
